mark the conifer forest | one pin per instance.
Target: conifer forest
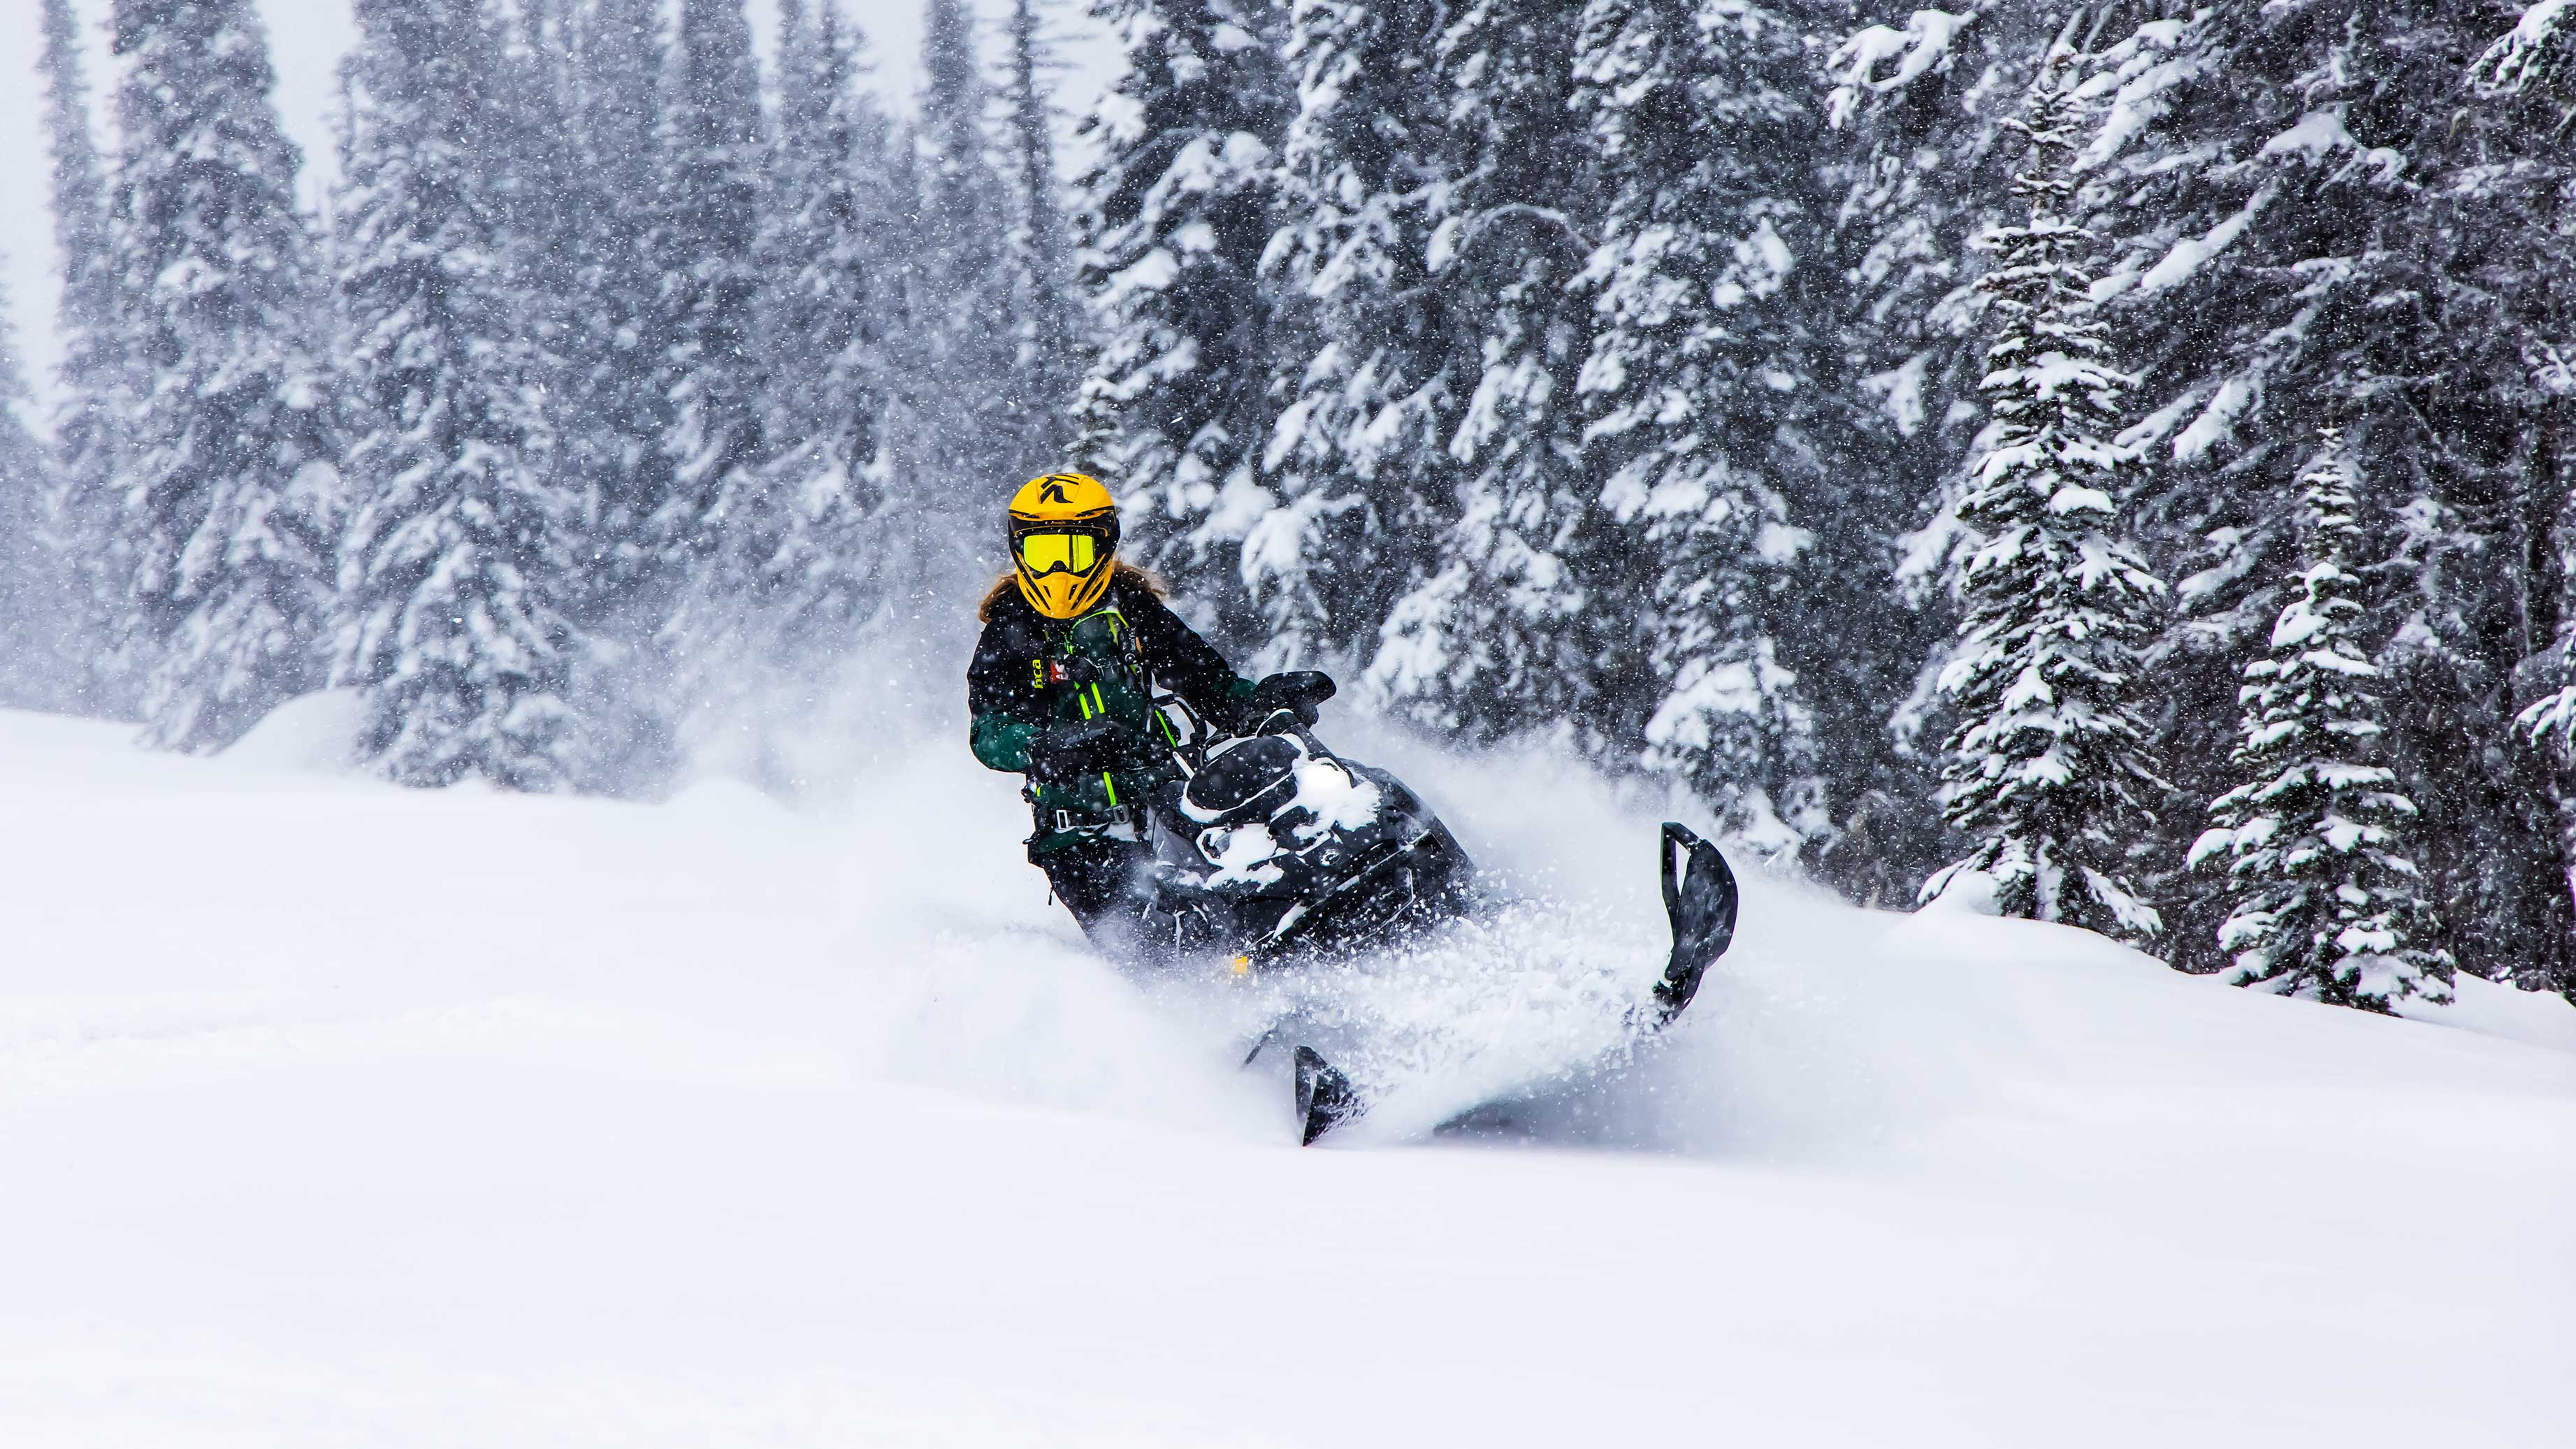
(2113, 457)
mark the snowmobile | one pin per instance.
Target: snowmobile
(1272, 849)
(1287, 849)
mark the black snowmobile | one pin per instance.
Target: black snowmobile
(1276, 847)
(1283, 848)
(1271, 848)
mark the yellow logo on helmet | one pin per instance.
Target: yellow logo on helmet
(1064, 538)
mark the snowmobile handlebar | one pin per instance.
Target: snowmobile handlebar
(1301, 692)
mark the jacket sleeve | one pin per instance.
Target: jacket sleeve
(1006, 708)
(1184, 663)
(1002, 743)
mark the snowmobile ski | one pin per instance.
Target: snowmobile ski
(1325, 1099)
(1700, 900)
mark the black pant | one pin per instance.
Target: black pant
(1100, 882)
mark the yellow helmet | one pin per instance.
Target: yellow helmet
(1064, 532)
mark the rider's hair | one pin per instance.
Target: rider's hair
(1121, 572)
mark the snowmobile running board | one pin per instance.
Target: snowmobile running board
(1700, 900)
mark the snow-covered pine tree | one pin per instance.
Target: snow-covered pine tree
(1925, 166)
(809, 230)
(2537, 58)
(231, 483)
(2317, 218)
(833, 212)
(1920, 166)
(96, 389)
(951, 361)
(1174, 217)
(617, 364)
(37, 640)
(2526, 81)
(1695, 386)
(719, 529)
(2318, 840)
(2050, 772)
(1357, 477)
(612, 379)
(536, 182)
(2532, 70)
(1044, 315)
(1516, 628)
(823, 245)
(459, 549)
(546, 207)
(86, 318)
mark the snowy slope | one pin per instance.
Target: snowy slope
(334, 1115)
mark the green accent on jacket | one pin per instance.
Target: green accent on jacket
(1002, 742)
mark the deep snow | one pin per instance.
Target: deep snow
(334, 1114)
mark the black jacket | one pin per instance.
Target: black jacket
(1012, 696)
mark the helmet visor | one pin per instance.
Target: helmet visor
(1045, 553)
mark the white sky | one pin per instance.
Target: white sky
(307, 38)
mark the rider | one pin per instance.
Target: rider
(1061, 690)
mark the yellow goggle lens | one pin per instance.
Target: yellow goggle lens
(1044, 553)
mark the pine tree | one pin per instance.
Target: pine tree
(536, 181)
(952, 363)
(812, 242)
(1695, 385)
(542, 194)
(1356, 475)
(824, 246)
(612, 378)
(1918, 166)
(36, 649)
(97, 390)
(87, 317)
(231, 483)
(2327, 900)
(2317, 218)
(2526, 82)
(2536, 58)
(1174, 217)
(1513, 630)
(457, 555)
(618, 360)
(2049, 772)
(716, 534)
(1044, 315)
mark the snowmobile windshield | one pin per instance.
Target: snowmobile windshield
(1045, 553)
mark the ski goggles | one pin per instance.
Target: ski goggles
(1044, 553)
(1069, 546)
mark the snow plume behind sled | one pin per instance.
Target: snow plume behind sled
(1700, 899)
(1527, 997)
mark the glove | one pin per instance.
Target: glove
(1069, 752)
(1301, 692)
